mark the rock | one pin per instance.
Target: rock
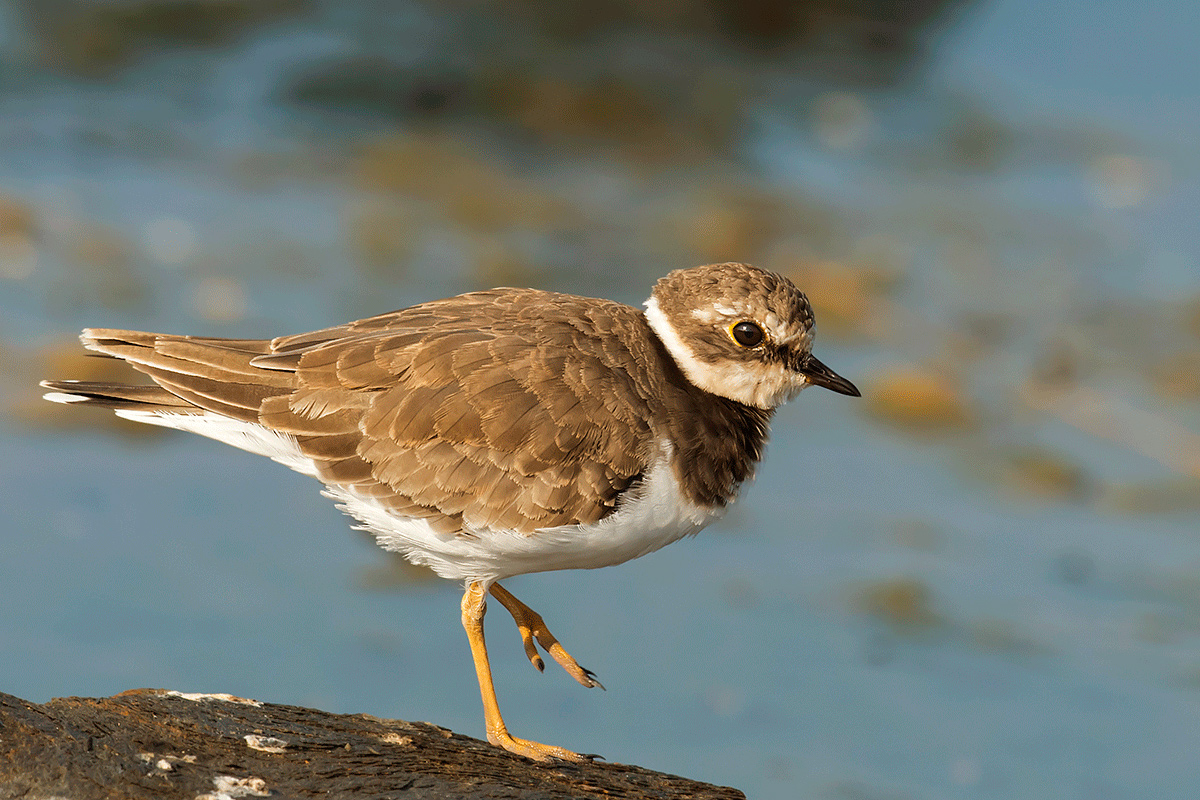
(150, 744)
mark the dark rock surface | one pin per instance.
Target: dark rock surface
(149, 743)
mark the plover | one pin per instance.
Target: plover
(503, 432)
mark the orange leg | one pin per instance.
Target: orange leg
(531, 626)
(474, 606)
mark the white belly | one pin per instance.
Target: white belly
(654, 516)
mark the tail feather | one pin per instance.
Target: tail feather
(101, 336)
(116, 396)
(234, 399)
(193, 375)
(183, 355)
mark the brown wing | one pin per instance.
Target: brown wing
(510, 408)
(495, 409)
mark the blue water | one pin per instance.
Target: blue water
(1063, 655)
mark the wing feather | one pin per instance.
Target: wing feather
(492, 409)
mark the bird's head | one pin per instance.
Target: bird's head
(740, 332)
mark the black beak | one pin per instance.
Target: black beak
(820, 375)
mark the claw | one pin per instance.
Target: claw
(591, 676)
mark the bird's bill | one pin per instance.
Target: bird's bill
(820, 375)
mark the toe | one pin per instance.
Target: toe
(536, 750)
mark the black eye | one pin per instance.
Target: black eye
(747, 334)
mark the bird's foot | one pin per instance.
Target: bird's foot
(551, 645)
(535, 750)
(533, 628)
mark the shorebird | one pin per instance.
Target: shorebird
(503, 432)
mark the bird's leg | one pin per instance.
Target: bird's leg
(531, 626)
(474, 606)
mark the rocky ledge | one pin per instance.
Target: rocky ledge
(151, 743)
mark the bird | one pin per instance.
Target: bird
(502, 432)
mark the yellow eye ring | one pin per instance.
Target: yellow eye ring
(746, 333)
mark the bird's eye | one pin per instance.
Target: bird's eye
(747, 334)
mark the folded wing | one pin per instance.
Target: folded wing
(473, 412)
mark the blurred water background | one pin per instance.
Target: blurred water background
(982, 580)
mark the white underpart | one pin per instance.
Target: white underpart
(249, 436)
(656, 514)
(757, 384)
